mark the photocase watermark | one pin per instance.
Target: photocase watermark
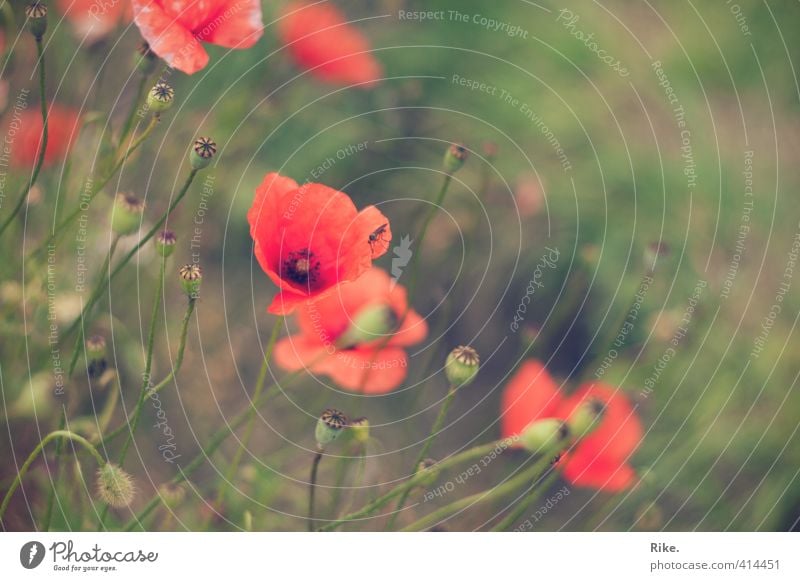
(548, 260)
(569, 20)
(768, 322)
(744, 226)
(168, 448)
(479, 20)
(546, 507)
(626, 328)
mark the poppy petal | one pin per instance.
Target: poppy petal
(531, 394)
(168, 38)
(238, 24)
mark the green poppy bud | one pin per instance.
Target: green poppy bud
(36, 13)
(454, 158)
(586, 417)
(369, 324)
(543, 435)
(461, 366)
(160, 97)
(191, 277)
(203, 149)
(329, 427)
(165, 242)
(127, 214)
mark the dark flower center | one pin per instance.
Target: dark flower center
(301, 267)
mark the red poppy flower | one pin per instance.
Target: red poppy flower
(24, 131)
(176, 29)
(322, 322)
(600, 459)
(319, 39)
(310, 238)
(94, 19)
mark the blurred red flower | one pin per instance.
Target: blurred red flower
(322, 322)
(319, 39)
(94, 19)
(176, 29)
(24, 131)
(600, 459)
(310, 238)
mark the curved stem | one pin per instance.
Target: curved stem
(437, 426)
(492, 494)
(95, 296)
(248, 433)
(312, 487)
(126, 128)
(40, 158)
(36, 451)
(465, 456)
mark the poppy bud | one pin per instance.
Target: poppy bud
(329, 427)
(165, 242)
(36, 12)
(160, 97)
(454, 158)
(145, 59)
(427, 472)
(114, 486)
(203, 149)
(191, 278)
(127, 215)
(359, 430)
(586, 417)
(368, 325)
(461, 366)
(544, 434)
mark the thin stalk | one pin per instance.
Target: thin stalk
(36, 451)
(95, 296)
(312, 487)
(126, 128)
(248, 431)
(51, 494)
(40, 158)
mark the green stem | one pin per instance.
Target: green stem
(248, 433)
(36, 451)
(51, 494)
(312, 487)
(40, 158)
(437, 426)
(95, 296)
(465, 456)
(126, 128)
(498, 491)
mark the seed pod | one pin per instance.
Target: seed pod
(454, 158)
(36, 13)
(544, 435)
(165, 242)
(329, 427)
(127, 216)
(586, 417)
(160, 97)
(191, 278)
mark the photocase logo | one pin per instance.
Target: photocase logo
(402, 256)
(31, 554)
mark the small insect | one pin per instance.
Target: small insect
(377, 235)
